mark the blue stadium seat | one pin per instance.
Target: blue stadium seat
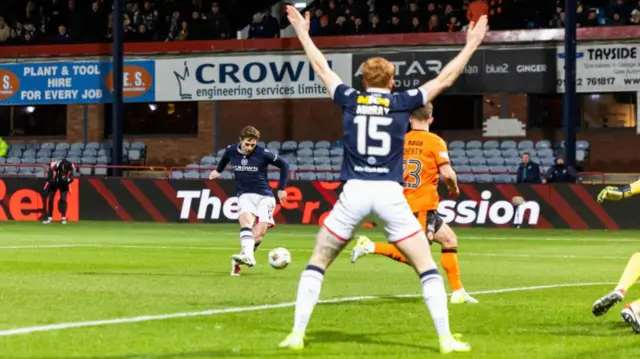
(480, 169)
(502, 178)
(466, 178)
(545, 152)
(177, 175)
(226, 175)
(508, 145)
(306, 144)
(525, 145)
(512, 161)
(543, 144)
(495, 161)
(262, 144)
(512, 152)
(474, 145)
(321, 152)
(323, 144)
(86, 171)
(305, 152)
(460, 161)
(484, 178)
(456, 145)
(289, 146)
(477, 161)
(322, 160)
(474, 153)
(47, 146)
(194, 175)
(462, 169)
(499, 169)
(274, 144)
(492, 153)
(491, 145)
(339, 151)
(337, 144)
(29, 153)
(457, 153)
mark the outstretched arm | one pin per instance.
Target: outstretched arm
(319, 63)
(284, 172)
(449, 74)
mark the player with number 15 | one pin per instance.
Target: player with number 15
(374, 123)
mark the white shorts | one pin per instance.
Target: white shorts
(360, 198)
(260, 206)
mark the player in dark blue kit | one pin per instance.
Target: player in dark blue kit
(374, 126)
(250, 164)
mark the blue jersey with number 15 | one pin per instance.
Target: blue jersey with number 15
(374, 124)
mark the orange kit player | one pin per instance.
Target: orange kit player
(426, 159)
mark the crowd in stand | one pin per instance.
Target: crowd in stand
(355, 17)
(26, 22)
(32, 22)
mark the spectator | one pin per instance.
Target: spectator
(558, 21)
(143, 35)
(342, 27)
(315, 21)
(412, 13)
(183, 34)
(617, 20)
(5, 31)
(376, 26)
(592, 19)
(528, 171)
(395, 27)
(271, 25)
(434, 24)
(63, 35)
(217, 25)
(560, 173)
(95, 24)
(415, 25)
(359, 28)
(635, 17)
(4, 147)
(454, 25)
(332, 11)
(325, 28)
(476, 9)
(256, 29)
(174, 25)
(196, 27)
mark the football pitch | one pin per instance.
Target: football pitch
(158, 291)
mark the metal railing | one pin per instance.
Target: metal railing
(165, 172)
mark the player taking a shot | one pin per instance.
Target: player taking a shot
(250, 164)
(425, 160)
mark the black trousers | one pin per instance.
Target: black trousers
(50, 194)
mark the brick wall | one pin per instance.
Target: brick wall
(317, 120)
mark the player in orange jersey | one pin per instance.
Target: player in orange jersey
(426, 160)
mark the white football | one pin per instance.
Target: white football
(279, 258)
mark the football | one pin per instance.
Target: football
(517, 200)
(279, 258)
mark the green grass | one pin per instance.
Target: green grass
(129, 270)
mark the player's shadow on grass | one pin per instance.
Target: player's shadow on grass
(583, 329)
(335, 336)
(276, 353)
(148, 274)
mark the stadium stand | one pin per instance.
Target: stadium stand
(497, 163)
(32, 22)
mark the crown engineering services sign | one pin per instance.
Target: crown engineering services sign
(244, 78)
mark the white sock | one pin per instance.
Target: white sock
(247, 241)
(435, 296)
(308, 294)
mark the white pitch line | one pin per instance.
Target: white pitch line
(127, 246)
(148, 318)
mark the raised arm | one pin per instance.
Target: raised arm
(449, 74)
(319, 63)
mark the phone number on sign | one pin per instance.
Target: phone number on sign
(591, 81)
